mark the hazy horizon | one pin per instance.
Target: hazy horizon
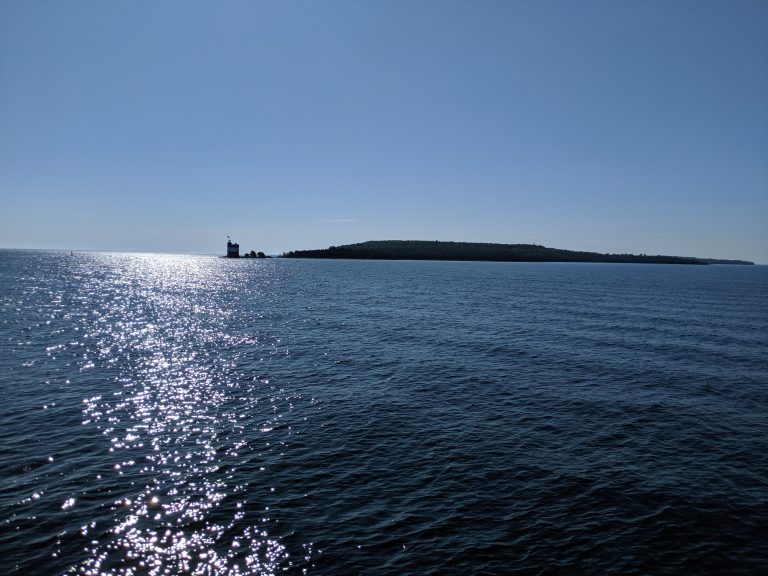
(244, 250)
(598, 126)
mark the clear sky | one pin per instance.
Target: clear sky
(614, 126)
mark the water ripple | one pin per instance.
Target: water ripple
(172, 414)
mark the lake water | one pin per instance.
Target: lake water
(186, 414)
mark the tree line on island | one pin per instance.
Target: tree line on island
(477, 251)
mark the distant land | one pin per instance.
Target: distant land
(476, 251)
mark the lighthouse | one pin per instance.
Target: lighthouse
(233, 249)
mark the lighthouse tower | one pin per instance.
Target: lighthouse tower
(233, 249)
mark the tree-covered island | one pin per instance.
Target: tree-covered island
(476, 251)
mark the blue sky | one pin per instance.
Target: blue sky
(632, 126)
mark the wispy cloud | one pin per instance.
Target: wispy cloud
(690, 236)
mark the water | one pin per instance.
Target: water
(180, 414)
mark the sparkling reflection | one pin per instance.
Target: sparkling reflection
(177, 423)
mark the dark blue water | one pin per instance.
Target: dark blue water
(179, 414)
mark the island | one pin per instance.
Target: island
(233, 251)
(478, 251)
